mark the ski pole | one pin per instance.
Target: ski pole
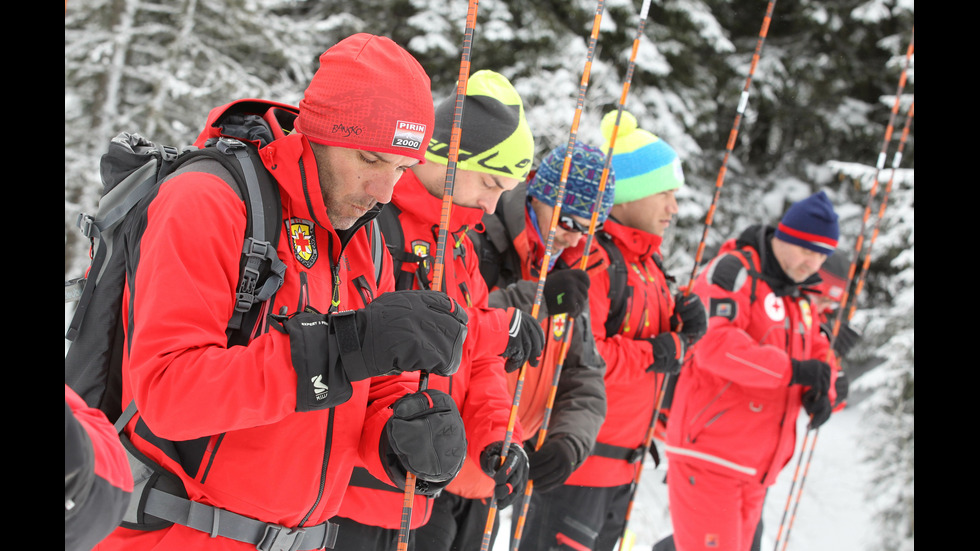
(546, 260)
(447, 205)
(719, 181)
(858, 249)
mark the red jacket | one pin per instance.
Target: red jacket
(631, 391)
(224, 419)
(734, 410)
(478, 387)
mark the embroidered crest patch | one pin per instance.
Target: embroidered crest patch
(303, 239)
(558, 323)
(421, 249)
(806, 314)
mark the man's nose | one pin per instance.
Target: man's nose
(380, 188)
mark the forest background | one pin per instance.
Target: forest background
(820, 102)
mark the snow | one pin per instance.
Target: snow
(833, 512)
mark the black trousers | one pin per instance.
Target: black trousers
(456, 524)
(354, 536)
(575, 517)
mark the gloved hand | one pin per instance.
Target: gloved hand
(525, 343)
(812, 373)
(817, 406)
(841, 386)
(847, 337)
(566, 292)
(398, 331)
(551, 465)
(425, 436)
(401, 331)
(511, 477)
(690, 316)
(668, 353)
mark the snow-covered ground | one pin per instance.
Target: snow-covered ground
(833, 513)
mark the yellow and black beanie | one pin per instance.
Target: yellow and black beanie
(494, 135)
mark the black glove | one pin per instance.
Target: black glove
(690, 316)
(847, 337)
(525, 343)
(551, 465)
(511, 477)
(812, 373)
(668, 353)
(566, 292)
(425, 436)
(818, 406)
(841, 385)
(398, 331)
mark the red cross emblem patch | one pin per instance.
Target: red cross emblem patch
(303, 239)
(558, 323)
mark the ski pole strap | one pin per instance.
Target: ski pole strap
(629, 455)
(219, 522)
(362, 478)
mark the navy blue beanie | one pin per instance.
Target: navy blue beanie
(811, 223)
(581, 185)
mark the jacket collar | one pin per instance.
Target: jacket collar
(637, 242)
(414, 200)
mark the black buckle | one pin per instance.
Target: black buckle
(280, 538)
(635, 455)
(85, 223)
(226, 144)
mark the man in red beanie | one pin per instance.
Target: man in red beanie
(733, 418)
(252, 445)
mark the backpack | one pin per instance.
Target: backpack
(131, 171)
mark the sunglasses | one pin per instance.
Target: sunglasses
(567, 223)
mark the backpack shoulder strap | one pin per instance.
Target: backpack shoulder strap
(394, 237)
(377, 251)
(261, 270)
(618, 290)
(733, 269)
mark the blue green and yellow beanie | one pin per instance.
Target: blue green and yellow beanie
(581, 185)
(644, 163)
(494, 135)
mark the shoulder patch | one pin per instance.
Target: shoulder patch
(728, 272)
(723, 308)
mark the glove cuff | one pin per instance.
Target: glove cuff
(346, 335)
(320, 383)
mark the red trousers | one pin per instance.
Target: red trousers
(711, 511)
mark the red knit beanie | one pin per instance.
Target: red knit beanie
(371, 94)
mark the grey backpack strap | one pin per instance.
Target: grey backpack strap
(258, 247)
(377, 250)
(220, 522)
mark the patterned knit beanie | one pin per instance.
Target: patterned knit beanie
(581, 185)
(811, 223)
(494, 135)
(370, 94)
(645, 165)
